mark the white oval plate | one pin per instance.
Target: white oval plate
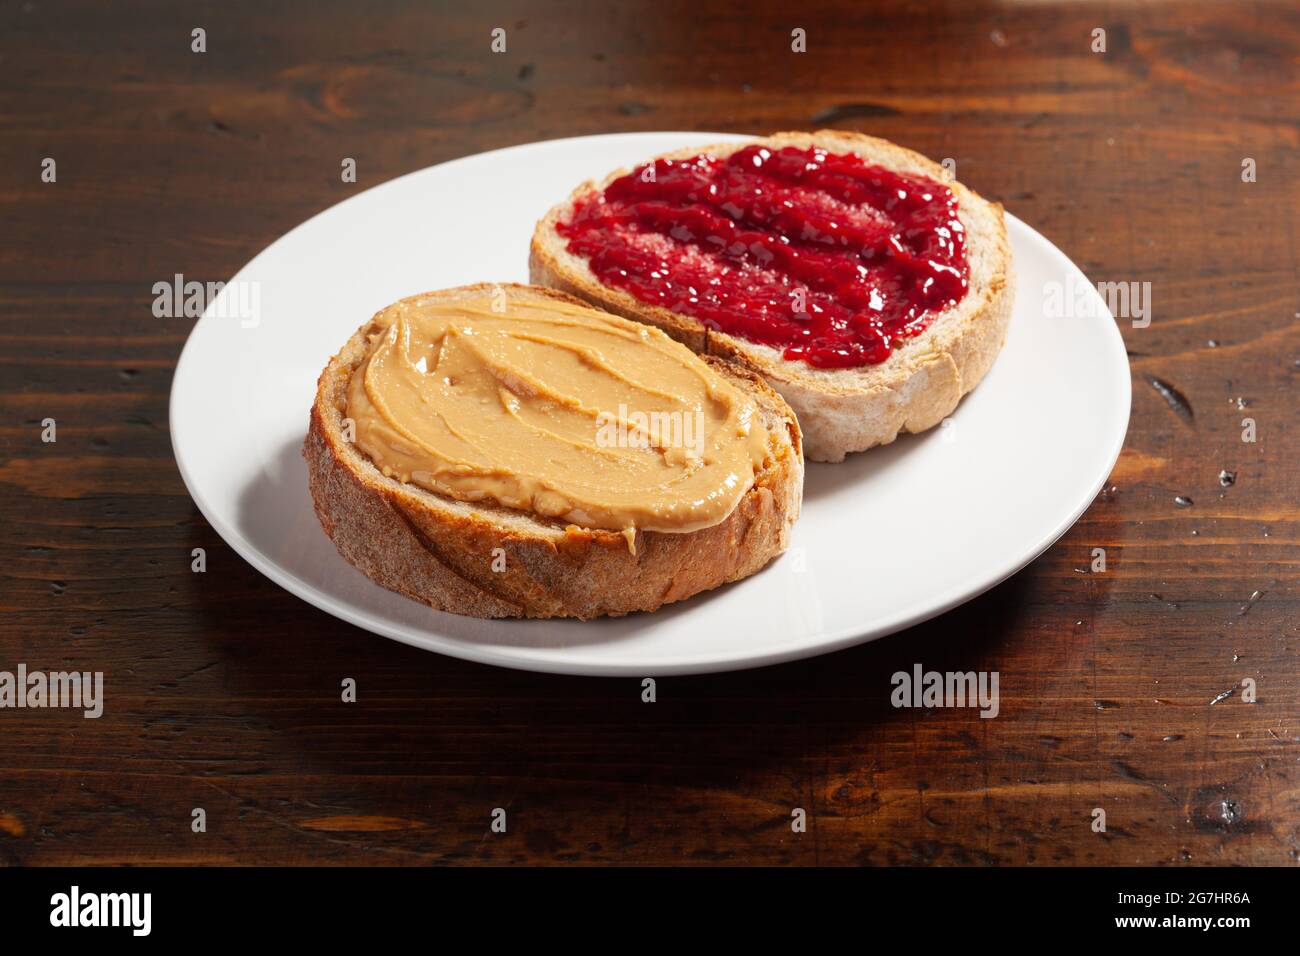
(887, 539)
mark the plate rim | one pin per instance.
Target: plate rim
(538, 660)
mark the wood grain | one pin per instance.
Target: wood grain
(223, 690)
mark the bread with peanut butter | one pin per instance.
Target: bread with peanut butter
(864, 283)
(509, 451)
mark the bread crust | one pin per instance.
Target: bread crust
(439, 551)
(839, 410)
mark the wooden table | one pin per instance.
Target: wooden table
(223, 690)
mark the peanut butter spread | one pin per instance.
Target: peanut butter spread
(556, 409)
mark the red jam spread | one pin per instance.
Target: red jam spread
(824, 256)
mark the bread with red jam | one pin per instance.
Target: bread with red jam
(866, 286)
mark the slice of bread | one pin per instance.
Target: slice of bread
(440, 550)
(840, 410)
